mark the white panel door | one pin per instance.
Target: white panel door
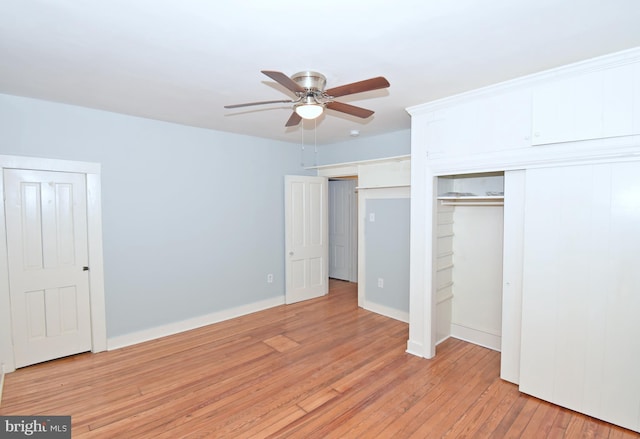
(341, 225)
(46, 220)
(580, 301)
(306, 236)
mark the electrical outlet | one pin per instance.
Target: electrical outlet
(372, 217)
(380, 282)
(269, 278)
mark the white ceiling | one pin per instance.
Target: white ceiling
(181, 61)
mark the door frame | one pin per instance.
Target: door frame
(94, 240)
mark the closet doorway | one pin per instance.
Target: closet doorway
(469, 258)
(343, 229)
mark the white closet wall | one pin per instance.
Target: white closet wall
(476, 311)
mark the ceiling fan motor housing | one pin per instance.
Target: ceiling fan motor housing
(312, 81)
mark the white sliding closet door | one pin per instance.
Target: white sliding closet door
(581, 290)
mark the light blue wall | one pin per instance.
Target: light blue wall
(387, 252)
(392, 144)
(192, 218)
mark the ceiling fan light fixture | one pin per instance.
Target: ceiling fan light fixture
(309, 111)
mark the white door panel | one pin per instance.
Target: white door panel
(46, 220)
(306, 231)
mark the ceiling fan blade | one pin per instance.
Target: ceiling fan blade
(293, 120)
(350, 109)
(358, 87)
(259, 103)
(284, 80)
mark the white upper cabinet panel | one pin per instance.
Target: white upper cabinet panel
(618, 100)
(593, 99)
(568, 109)
(586, 106)
(488, 123)
(386, 174)
(636, 97)
(506, 119)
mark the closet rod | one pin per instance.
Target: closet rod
(471, 203)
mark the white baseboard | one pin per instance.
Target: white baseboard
(441, 339)
(476, 336)
(186, 325)
(414, 348)
(386, 311)
(1, 383)
(418, 349)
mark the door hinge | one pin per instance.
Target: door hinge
(85, 268)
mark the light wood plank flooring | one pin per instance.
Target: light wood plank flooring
(318, 369)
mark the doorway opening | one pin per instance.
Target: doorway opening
(343, 228)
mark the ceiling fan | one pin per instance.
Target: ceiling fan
(312, 98)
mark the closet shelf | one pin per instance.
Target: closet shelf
(487, 200)
(473, 197)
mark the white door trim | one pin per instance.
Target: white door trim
(96, 262)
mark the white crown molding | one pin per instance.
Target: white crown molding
(594, 64)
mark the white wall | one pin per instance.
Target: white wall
(192, 218)
(387, 256)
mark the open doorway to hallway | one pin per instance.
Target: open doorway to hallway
(343, 229)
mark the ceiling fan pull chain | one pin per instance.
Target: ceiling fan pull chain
(302, 144)
(315, 142)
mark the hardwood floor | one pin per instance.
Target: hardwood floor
(317, 369)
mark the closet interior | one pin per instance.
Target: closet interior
(468, 257)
